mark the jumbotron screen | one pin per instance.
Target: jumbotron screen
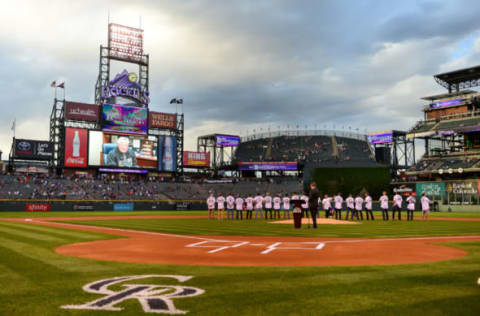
(124, 119)
(122, 151)
(227, 140)
(380, 138)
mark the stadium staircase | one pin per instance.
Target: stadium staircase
(268, 152)
(334, 146)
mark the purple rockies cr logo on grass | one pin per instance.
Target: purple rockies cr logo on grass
(154, 298)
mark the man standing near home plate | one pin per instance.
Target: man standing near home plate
(313, 202)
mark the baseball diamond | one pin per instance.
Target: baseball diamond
(240, 158)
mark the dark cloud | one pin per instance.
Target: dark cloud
(245, 63)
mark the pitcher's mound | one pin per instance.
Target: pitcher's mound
(305, 221)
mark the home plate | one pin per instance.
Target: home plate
(306, 221)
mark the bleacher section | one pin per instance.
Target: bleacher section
(434, 164)
(12, 187)
(308, 149)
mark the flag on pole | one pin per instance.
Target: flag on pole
(62, 85)
(180, 101)
(53, 84)
(173, 101)
(13, 124)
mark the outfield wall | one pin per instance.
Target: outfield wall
(97, 205)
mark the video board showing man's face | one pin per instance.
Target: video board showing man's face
(122, 151)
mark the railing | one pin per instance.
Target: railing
(305, 132)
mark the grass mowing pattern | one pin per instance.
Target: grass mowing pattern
(375, 229)
(36, 280)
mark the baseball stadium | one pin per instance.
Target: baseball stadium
(117, 213)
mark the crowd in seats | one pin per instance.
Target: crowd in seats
(308, 149)
(445, 163)
(353, 149)
(45, 187)
(48, 188)
(253, 150)
(305, 148)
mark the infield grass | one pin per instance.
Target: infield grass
(37, 281)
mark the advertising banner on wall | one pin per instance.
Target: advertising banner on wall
(33, 149)
(124, 119)
(81, 111)
(432, 189)
(468, 187)
(37, 207)
(266, 166)
(162, 120)
(76, 147)
(196, 159)
(167, 153)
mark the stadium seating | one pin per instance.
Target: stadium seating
(308, 149)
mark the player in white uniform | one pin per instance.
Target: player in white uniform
(249, 202)
(384, 205)
(338, 199)
(327, 205)
(286, 206)
(258, 205)
(350, 206)
(368, 207)
(359, 207)
(268, 205)
(304, 197)
(397, 206)
(230, 206)
(277, 202)
(410, 207)
(211, 206)
(425, 206)
(221, 206)
(239, 205)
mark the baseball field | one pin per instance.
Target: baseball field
(131, 263)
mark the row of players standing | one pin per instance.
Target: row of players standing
(273, 206)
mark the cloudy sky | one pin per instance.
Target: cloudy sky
(242, 65)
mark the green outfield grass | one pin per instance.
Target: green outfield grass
(36, 280)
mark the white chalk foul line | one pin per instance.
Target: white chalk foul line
(398, 239)
(130, 231)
